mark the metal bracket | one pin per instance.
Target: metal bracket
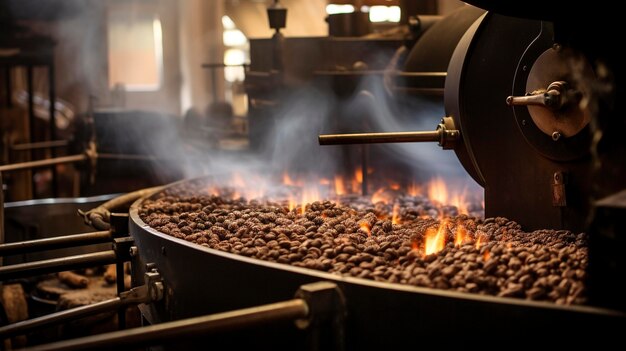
(327, 306)
(559, 198)
(150, 291)
(448, 134)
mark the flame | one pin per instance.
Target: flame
(486, 255)
(309, 194)
(292, 203)
(435, 239)
(358, 175)
(414, 246)
(459, 201)
(414, 189)
(287, 179)
(480, 240)
(324, 181)
(340, 187)
(460, 236)
(380, 196)
(366, 228)
(394, 186)
(395, 215)
(437, 191)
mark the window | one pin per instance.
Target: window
(135, 50)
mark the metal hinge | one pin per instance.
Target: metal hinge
(559, 198)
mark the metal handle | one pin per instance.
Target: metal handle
(446, 135)
(557, 96)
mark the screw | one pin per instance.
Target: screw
(133, 251)
(556, 136)
(523, 122)
(556, 47)
(524, 68)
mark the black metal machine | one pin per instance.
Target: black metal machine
(529, 117)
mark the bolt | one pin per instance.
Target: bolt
(524, 68)
(523, 122)
(133, 251)
(556, 136)
(556, 47)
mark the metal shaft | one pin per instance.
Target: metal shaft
(42, 163)
(186, 328)
(373, 138)
(54, 243)
(39, 145)
(22, 327)
(57, 265)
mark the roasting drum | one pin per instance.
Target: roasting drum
(200, 280)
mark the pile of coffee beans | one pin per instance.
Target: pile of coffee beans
(493, 256)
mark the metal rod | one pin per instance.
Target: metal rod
(53, 125)
(187, 328)
(22, 327)
(373, 138)
(1, 215)
(65, 241)
(42, 163)
(57, 265)
(31, 121)
(119, 278)
(39, 145)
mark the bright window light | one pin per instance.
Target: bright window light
(234, 37)
(385, 14)
(228, 23)
(333, 9)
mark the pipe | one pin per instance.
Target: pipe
(39, 145)
(57, 265)
(373, 138)
(59, 242)
(98, 217)
(186, 328)
(42, 163)
(22, 327)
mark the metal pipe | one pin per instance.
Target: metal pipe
(31, 122)
(42, 163)
(65, 241)
(52, 123)
(187, 328)
(22, 327)
(373, 138)
(39, 145)
(57, 265)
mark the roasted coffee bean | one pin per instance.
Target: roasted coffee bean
(540, 265)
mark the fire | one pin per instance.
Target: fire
(395, 215)
(460, 236)
(310, 194)
(340, 187)
(459, 201)
(480, 240)
(287, 179)
(486, 255)
(437, 191)
(394, 186)
(414, 246)
(414, 189)
(381, 195)
(324, 181)
(237, 181)
(358, 175)
(435, 239)
(292, 203)
(366, 228)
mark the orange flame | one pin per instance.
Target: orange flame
(459, 201)
(414, 246)
(394, 186)
(381, 195)
(435, 239)
(340, 187)
(486, 255)
(437, 191)
(414, 189)
(395, 215)
(460, 236)
(480, 240)
(287, 179)
(366, 228)
(358, 175)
